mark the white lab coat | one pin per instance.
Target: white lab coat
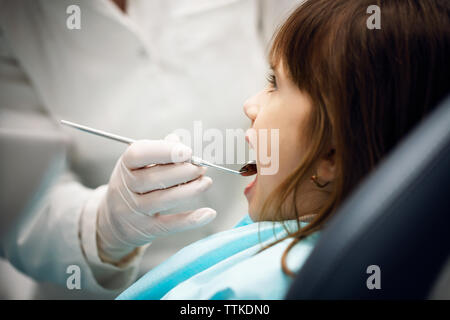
(164, 65)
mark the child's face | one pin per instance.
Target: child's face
(281, 105)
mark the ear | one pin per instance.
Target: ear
(326, 166)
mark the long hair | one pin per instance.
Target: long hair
(368, 87)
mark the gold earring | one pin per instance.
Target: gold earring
(314, 179)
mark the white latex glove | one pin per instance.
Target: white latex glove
(150, 176)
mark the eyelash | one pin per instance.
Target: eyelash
(272, 80)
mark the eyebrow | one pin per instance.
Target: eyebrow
(275, 71)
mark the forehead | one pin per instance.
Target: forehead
(274, 62)
(276, 58)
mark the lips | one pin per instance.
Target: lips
(247, 138)
(250, 186)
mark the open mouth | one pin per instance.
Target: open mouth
(249, 169)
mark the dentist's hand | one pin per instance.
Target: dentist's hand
(150, 176)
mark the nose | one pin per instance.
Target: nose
(251, 108)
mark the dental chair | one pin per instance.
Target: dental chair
(396, 224)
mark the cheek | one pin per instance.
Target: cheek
(290, 124)
(292, 150)
(293, 139)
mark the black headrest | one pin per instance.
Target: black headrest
(397, 221)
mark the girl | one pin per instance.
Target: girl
(342, 96)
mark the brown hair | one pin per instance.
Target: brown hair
(368, 87)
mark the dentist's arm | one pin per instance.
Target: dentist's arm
(45, 239)
(151, 176)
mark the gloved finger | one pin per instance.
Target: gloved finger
(161, 176)
(164, 224)
(142, 153)
(160, 200)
